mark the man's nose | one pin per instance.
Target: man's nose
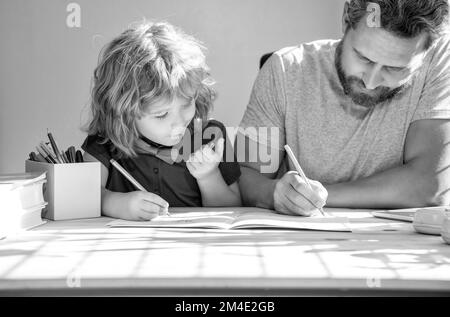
(372, 78)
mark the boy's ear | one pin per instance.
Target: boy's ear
(345, 18)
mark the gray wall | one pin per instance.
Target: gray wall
(46, 67)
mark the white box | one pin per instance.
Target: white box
(73, 190)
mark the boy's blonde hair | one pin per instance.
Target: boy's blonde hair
(146, 63)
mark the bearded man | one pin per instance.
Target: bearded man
(367, 116)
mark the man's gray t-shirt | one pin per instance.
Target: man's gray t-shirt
(335, 140)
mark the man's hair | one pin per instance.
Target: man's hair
(406, 18)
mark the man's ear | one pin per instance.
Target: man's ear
(345, 19)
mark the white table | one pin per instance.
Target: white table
(86, 257)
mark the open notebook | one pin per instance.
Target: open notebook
(229, 219)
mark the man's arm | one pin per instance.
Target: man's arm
(256, 188)
(423, 179)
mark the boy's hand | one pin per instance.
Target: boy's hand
(143, 206)
(205, 160)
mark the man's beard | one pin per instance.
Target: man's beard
(353, 86)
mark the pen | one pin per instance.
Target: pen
(299, 170)
(129, 177)
(48, 158)
(72, 153)
(47, 149)
(68, 156)
(78, 157)
(65, 158)
(55, 147)
(40, 158)
(33, 157)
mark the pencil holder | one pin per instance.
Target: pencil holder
(72, 191)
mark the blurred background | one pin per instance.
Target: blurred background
(46, 66)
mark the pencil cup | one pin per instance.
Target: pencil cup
(72, 191)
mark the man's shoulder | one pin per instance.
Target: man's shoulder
(442, 46)
(444, 40)
(310, 50)
(438, 54)
(310, 56)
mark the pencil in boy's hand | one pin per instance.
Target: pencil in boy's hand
(128, 176)
(300, 171)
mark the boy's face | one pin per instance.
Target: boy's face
(165, 121)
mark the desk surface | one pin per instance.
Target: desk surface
(86, 257)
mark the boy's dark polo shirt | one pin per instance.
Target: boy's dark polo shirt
(172, 182)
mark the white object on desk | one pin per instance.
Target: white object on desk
(426, 215)
(73, 190)
(445, 231)
(429, 221)
(402, 214)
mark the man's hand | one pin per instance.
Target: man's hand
(292, 195)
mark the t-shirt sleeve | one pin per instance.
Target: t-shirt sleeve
(434, 102)
(94, 146)
(267, 105)
(229, 167)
